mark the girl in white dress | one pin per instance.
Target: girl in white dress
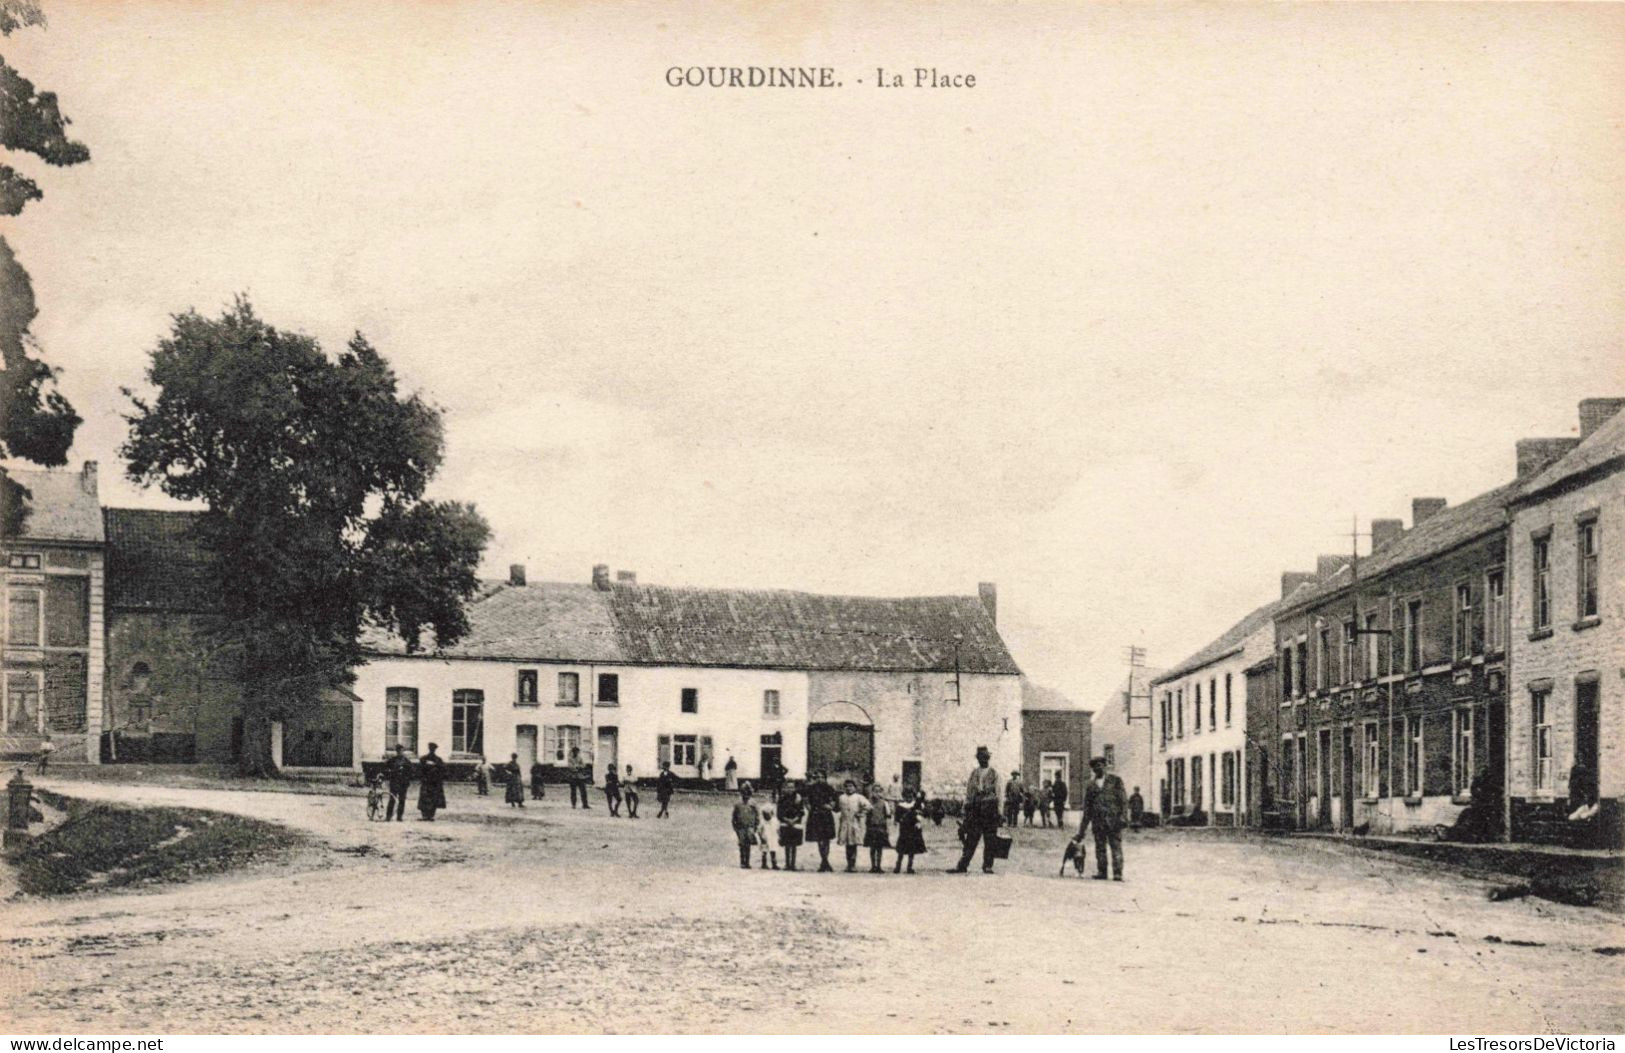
(767, 835)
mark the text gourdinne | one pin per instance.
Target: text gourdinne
(808, 77)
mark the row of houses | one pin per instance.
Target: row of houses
(1473, 660)
(107, 649)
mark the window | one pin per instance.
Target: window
(67, 611)
(691, 700)
(1323, 657)
(1213, 703)
(1196, 712)
(1301, 674)
(1413, 636)
(1227, 700)
(1461, 754)
(1289, 776)
(1373, 762)
(525, 693)
(1585, 547)
(1163, 725)
(770, 703)
(1463, 631)
(569, 689)
(22, 703)
(401, 718)
(1540, 582)
(1110, 753)
(1373, 636)
(1227, 782)
(1179, 714)
(1541, 732)
(1413, 755)
(1495, 594)
(467, 721)
(609, 689)
(1350, 653)
(1286, 673)
(23, 561)
(22, 617)
(557, 742)
(685, 750)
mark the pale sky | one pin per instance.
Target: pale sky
(1130, 327)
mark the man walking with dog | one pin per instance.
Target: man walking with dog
(981, 813)
(1105, 808)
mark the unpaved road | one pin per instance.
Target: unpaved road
(549, 920)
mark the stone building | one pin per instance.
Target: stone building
(1567, 633)
(52, 647)
(640, 674)
(1056, 739)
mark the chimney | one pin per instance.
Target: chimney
(516, 574)
(626, 577)
(1326, 566)
(1385, 532)
(87, 478)
(1292, 580)
(600, 577)
(989, 593)
(1594, 413)
(1536, 455)
(1424, 508)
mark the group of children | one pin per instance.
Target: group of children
(618, 789)
(817, 814)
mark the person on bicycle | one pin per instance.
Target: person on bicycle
(398, 773)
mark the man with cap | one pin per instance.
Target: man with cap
(1014, 794)
(981, 813)
(431, 783)
(1105, 808)
(398, 773)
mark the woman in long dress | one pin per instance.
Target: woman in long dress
(792, 813)
(910, 841)
(431, 783)
(821, 818)
(515, 794)
(850, 823)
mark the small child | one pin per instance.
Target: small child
(612, 790)
(876, 835)
(482, 777)
(1045, 792)
(767, 834)
(745, 821)
(910, 841)
(629, 793)
(1029, 805)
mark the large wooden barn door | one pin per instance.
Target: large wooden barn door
(844, 751)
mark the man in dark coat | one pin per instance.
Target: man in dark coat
(398, 774)
(431, 783)
(580, 779)
(981, 820)
(665, 785)
(1059, 797)
(1105, 808)
(1136, 809)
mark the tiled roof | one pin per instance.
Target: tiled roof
(1605, 444)
(1036, 696)
(1438, 533)
(1228, 642)
(59, 507)
(654, 625)
(154, 563)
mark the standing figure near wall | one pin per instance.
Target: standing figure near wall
(431, 783)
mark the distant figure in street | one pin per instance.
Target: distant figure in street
(894, 792)
(910, 841)
(767, 835)
(821, 804)
(538, 789)
(1105, 809)
(745, 821)
(482, 777)
(704, 765)
(730, 775)
(580, 779)
(431, 783)
(612, 790)
(849, 829)
(629, 793)
(981, 820)
(398, 773)
(792, 814)
(1136, 809)
(1046, 797)
(46, 748)
(1029, 803)
(1058, 798)
(1012, 799)
(514, 783)
(665, 785)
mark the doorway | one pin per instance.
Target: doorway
(608, 752)
(1324, 778)
(524, 744)
(1347, 817)
(1587, 731)
(1054, 766)
(842, 751)
(913, 776)
(772, 760)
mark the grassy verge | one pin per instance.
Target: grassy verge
(204, 777)
(111, 846)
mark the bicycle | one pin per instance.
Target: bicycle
(380, 802)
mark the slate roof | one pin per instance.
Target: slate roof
(59, 507)
(1605, 444)
(655, 625)
(1439, 533)
(1229, 642)
(154, 563)
(1036, 696)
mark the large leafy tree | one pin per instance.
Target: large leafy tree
(36, 421)
(313, 471)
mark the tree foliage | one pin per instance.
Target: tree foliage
(36, 422)
(313, 471)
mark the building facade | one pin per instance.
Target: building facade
(1122, 730)
(1567, 635)
(53, 645)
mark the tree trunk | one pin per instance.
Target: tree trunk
(256, 757)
